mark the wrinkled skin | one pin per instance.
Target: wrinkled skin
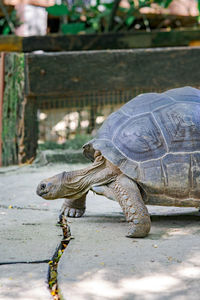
(75, 184)
(105, 179)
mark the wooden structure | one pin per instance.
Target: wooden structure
(32, 81)
(119, 40)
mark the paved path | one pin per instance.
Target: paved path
(28, 233)
(100, 263)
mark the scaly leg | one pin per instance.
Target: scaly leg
(104, 190)
(130, 199)
(127, 193)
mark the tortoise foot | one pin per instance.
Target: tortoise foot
(139, 230)
(73, 208)
(71, 213)
(74, 212)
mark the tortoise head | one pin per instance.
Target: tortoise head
(73, 185)
(63, 185)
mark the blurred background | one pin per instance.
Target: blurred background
(40, 17)
(68, 25)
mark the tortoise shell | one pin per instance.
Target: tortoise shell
(148, 130)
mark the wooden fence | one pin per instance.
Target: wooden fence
(102, 41)
(33, 81)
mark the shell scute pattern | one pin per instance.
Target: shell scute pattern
(140, 139)
(145, 103)
(180, 125)
(187, 93)
(107, 129)
(149, 127)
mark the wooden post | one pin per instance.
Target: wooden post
(18, 113)
(13, 98)
(1, 100)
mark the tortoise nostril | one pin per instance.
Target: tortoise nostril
(42, 186)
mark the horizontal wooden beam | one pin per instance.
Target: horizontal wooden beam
(120, 40)
(59, 74)
(11, 43)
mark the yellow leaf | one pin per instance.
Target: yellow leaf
(170, 258)
(10, 206)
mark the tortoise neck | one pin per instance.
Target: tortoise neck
(99, 173)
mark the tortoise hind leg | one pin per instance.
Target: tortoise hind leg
(73, 208)
(130, 199)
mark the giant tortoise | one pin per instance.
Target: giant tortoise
(147, 152)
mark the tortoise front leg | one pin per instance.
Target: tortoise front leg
(130, 199)
(73, 208)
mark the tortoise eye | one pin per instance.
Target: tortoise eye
(42, 186)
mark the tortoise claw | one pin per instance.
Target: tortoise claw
(74, 212)
(71, 213)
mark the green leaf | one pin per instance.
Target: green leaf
(163, 3)
(108, 5)
(167, 3)
(199, 6)
(72, 28)
(130, 20)
(94, 23)
(6, 30)
(58, 10)
(123, 9)
(2, 21)
(131, 2)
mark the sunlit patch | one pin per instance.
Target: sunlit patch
(155, 283)
(100, 119)
(84, 124)
(42, 116)
(69, 121)
(190, 272)
(100, 285)
(178, 231)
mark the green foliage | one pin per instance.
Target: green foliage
(74, 144)
(80, 17)
(98, 17)
(199, 10)
(72, 28)
(163, 3)
(5, 28)
(58, 10)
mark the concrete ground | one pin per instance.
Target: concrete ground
(100, 262)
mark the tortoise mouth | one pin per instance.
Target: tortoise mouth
(41, 193)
